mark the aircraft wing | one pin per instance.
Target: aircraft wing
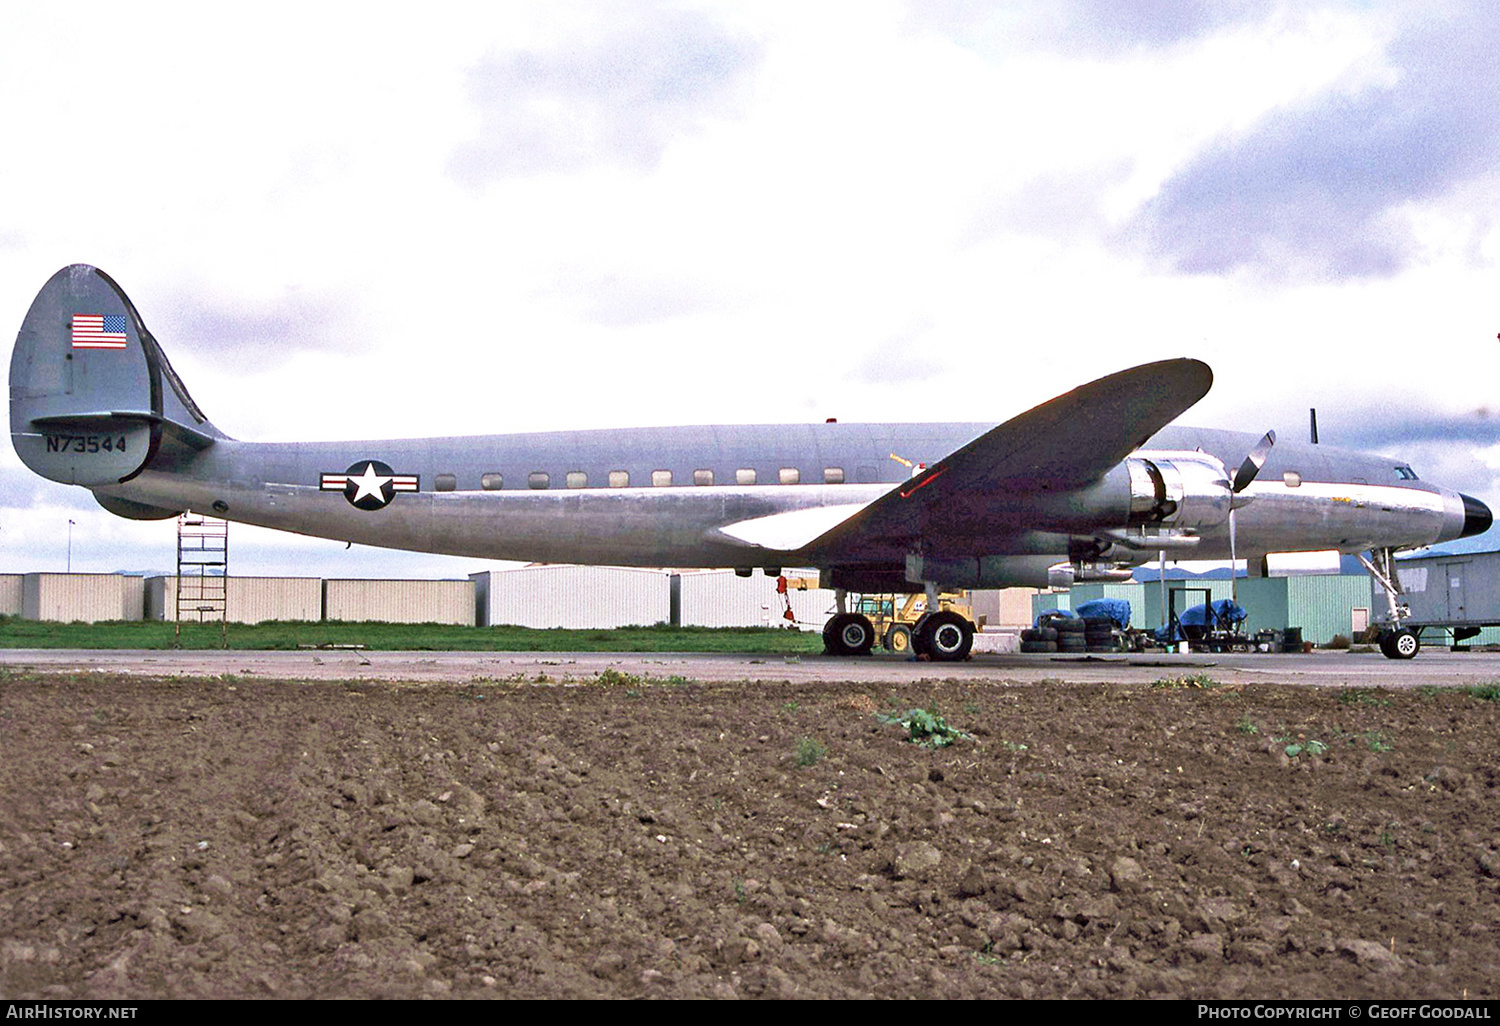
(1064, 444)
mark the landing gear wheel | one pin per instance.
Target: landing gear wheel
(848, 634)
(1402, 644)
(898, 639)
(945, 637)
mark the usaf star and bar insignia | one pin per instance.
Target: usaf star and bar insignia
(368, 484)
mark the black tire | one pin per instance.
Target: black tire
(945, 636)
(1071, 643)
(848, 634)
(898, 639)
(1038, 646)
(1039, 634)
(1402, 644)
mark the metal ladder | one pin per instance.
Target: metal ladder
(202, 573)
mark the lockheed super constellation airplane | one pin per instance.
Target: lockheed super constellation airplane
(1083, 487)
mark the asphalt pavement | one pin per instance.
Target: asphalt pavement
(1335, 669)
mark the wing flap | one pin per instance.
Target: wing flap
(787, 532)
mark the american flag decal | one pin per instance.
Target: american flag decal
(98, 331)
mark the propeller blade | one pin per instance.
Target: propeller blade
(1234, 566)
(1253, 463)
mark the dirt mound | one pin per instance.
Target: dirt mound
(237, 837)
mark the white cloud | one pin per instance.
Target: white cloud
(870, 211)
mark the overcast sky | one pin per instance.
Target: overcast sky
(498, 217)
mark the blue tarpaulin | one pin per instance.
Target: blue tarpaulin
(1115, 610)
(1226, 613)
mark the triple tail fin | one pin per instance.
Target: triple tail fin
(93, 400)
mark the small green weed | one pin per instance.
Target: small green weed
(1245, 725)
(1360, 696)
(610, 677)
(1484, 692)
(1376, 741)
(809, 751)
(1015, 746)
(1313, 748)
(790, 708)
(1185, 680)
(925, 727)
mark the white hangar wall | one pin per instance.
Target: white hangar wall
(399, 601)
(12, 587)
(88, 598)
(577, 597)
(247, 599)
(721, 598)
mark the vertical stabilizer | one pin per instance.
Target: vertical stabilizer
(93, 400)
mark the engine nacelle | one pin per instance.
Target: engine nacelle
(1186, 490)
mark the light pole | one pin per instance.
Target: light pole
(70, 546)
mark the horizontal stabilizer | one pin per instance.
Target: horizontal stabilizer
(100, 421)
(134, 510)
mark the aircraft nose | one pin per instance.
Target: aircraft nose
(1477, 517)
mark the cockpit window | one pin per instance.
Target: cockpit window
(1405, 473)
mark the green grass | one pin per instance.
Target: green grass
(1361, 696)
(18, 633)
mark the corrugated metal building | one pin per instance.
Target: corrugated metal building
(248, 599)
(1323, 606)
(572, 596)
(721, 598)
(12, 588)
(88, 598)
(399, 601)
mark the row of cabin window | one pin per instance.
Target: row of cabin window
(540, 479)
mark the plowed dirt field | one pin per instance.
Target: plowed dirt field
(238, 837)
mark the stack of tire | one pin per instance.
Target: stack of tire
(1070, 635)
(1055, 632)
(1099, 634)
(1039, 639)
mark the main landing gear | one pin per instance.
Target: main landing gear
(848, 634)
(943, 636)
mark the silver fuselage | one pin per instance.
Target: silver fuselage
(1306, 498)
